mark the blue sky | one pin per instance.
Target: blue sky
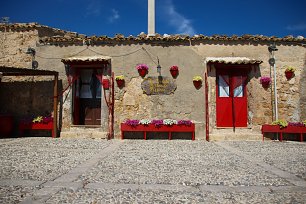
(129, 17)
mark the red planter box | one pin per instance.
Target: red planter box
(36, 126)
(153, 128)
(288, 129)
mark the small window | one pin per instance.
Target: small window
(224, 90)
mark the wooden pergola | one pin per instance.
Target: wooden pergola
(12, 71)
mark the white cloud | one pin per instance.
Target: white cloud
(93, 8)
(297, 27)
(115, 16)
(177, 20)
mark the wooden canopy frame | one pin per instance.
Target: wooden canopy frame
(12, 71)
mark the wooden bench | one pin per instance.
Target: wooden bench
(288, 129)
(153, 128)
(36, 126)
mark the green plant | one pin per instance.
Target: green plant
(282, 123)
(304, 122)
(119, 77)
(290, 69)
(197, 78)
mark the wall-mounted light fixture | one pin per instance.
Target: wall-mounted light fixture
(32, 52)
(158, 67)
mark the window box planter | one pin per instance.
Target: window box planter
(154, 128)
(289, 129)
(36, 126)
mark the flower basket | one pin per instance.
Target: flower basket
(142, 69)
(119, 80)
(289, 74)
(197, 81)
(265, 82)
(142, 72)
(174, 71)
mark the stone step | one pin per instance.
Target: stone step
(235, 137)
(84, 132)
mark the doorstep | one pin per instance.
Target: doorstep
(84, 132)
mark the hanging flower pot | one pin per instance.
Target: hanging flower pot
(142, 69)
(142, 72)
(174, 71)
(289, 72)
(265, 82)
(119, 80)
(197, 82)
(289, 75)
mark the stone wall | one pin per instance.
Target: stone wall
(186, 102)
(13, 47)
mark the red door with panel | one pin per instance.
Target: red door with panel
(231, 97)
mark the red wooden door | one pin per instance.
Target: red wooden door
(231, 98)
(87, 98)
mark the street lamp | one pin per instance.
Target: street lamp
(272, 48)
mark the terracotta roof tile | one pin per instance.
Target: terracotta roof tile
(58, 36)
(232, 60)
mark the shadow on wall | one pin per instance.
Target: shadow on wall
(26, 100)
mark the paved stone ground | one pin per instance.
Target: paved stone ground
(46, 170)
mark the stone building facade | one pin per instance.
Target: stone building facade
(243, 60)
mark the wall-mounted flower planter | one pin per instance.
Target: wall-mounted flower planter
(120, 82)
(197, 81)
(174, 70)
(289, 74)
(265, 82)
(197, 84)
(142, 69)
(174, 73)
(105, 83)
(142, 72)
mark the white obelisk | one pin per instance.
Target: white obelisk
(151, 17)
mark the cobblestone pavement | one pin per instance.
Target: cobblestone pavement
(46, 170)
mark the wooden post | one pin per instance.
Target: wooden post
(55, 96)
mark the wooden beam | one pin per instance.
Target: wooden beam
(55, 97)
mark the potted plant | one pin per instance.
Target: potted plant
(142, 69)
(265, 81)
(197, 81)
(120, 80)
(174, 70)
(289, 72)
(282, 123)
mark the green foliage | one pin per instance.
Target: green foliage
(281, 123)
(197, 78)
(120, 77)
(304, 122)
(290, 69)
